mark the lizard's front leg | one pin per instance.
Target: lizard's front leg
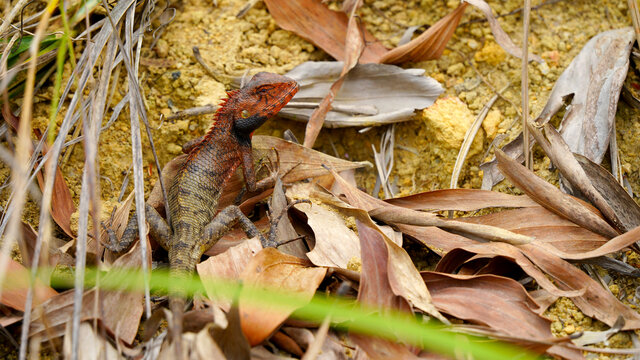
(225, 220)
(158, 229)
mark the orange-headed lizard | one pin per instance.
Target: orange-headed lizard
(195, 190)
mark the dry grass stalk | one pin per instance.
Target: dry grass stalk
(528, 163)
(468, 140)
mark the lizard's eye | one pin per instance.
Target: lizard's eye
(245, 114)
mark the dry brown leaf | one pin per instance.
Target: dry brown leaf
(551, 197)
(543, 298)
(594, 77)
(592, 299)
(284, 230)
(335, 243)
(228, 265)
(231, 339)
(274, 269)
(498, 302)
(55, 256)
(353, 48)
(623, 205)
(62, 206)
(562, 157)
(616, 244)
(375, 289)
(592, 83)
(327, 29)
(376, 348)
(436, 239)
(15, 286)
(455, 258)
(544, 226)
(430, 44)
(119, 311)
(403, 275)
(461, 200)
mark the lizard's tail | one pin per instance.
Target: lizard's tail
(178, 274)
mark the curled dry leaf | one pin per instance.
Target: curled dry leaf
(313, 20)
(403, 275)
(560, 154)
(371, 95)
(592, 299)
(228, 265)
(231, 339)
(455, 258)
(552, 198)
(62, 206)
(624, 207)
(592, 82)
(284, 230)
(331, 348)
(461, 200)
(336, 244)
(275, 269)
(375, 289)
(399, 215)
(14, 288)
(594, 78)
(498, 302)
(430, 44)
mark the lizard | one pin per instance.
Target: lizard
(194, 192)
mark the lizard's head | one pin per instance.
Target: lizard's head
(260, 99)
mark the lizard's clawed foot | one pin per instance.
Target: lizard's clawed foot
(271, 240)
(114, 245)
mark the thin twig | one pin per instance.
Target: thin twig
(217, 76)
(525, 86)
(468, 140)
(195, 111)
(635, 17)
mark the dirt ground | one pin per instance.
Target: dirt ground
(426, 146)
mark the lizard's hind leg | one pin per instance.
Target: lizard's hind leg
(224, 221)
(158, 229)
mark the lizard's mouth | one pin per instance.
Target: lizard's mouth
(284, 100)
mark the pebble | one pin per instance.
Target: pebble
(162, 48)
(569, 329)
(174, 149)
(455, 69)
